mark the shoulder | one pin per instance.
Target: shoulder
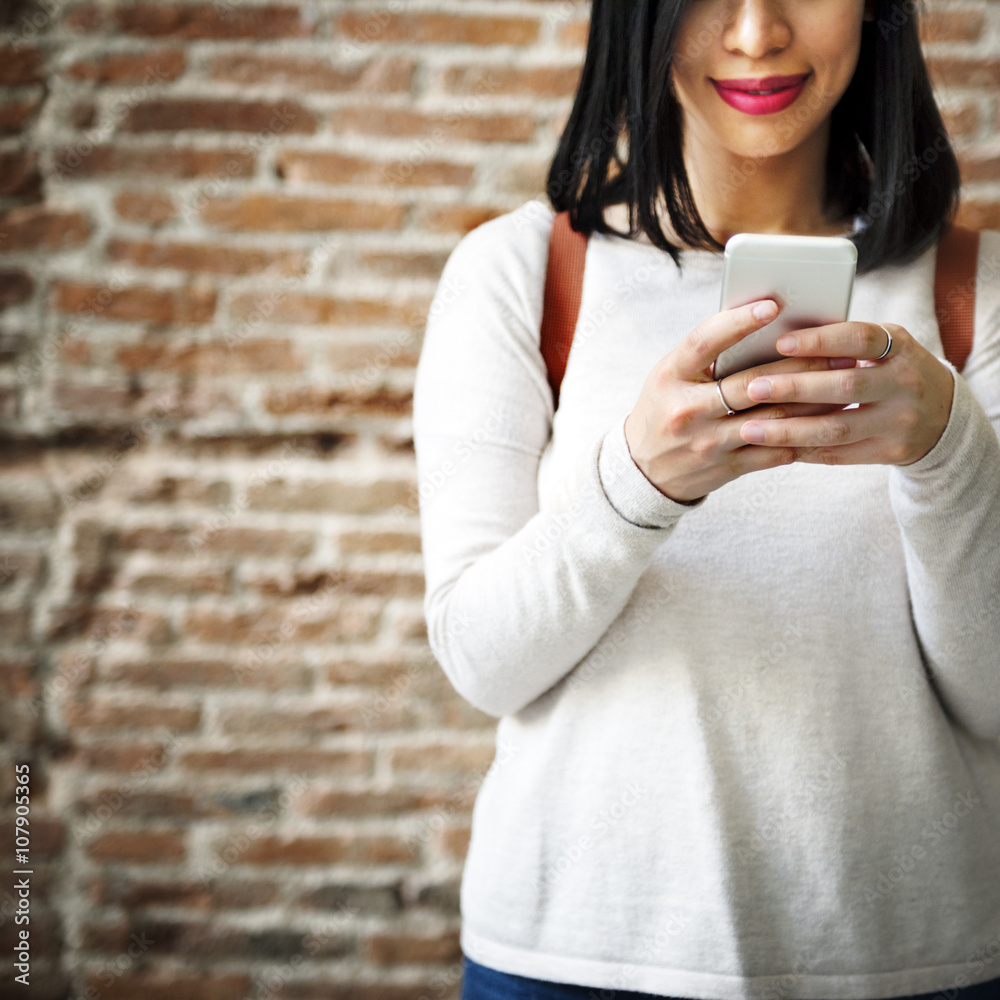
(498, 269)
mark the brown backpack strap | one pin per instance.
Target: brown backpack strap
(955, 291)
(563, 291)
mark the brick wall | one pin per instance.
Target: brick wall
(221, 227)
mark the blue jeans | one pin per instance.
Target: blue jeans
(481, 983)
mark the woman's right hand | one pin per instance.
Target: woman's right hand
(679, 433)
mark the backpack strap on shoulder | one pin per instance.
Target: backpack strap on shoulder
(955, 291)
(563, 292)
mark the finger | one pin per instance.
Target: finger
(736, 387)
(851, 385)
(832, 430)
(750, 458)
(729, 429)
(692, 357)
(865, 341)
(868, 452)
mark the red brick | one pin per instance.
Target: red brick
(373, 359)
(294, 583)
(17, 676)
(177, 114)
(145, 206)
(105, 398)
(351, 713)
(281, 213)
(102, 712)
(37, 228)
(22, 64)
(130, 67)
(15, 625)
(531, 81)
(119, 757)
(454, 841)
(171, 985)
(954, 71)
(48, 833)
(383, 75)
(939, 25)
(274, 626)
(147, 845)
(401, 263)
(357, 849)
(136, 893)
(440, 127)
(240, 541)
(370, 542)
(330, 496)
(173, 489)
(16, 114)
(979, 167)
(167, 674)
(442, 759)
(394, 802)
(19, 176)
(390, 949)
(455, 218)
(216, 358)
(336, 168)
(83, 619)
(325, 762)
(208, 257)
(574, 35)
(979, 214)
(157, 162)
(16, 286)
(376, 25)
(28, 505)
(960, 119)
(379, 401)
(179, 583)
(281, 307)
(194, 20)
(139, 304)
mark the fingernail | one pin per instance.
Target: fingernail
(787, 343)
(765, 310)
(753, 433)
(842, 362)
(760, 388)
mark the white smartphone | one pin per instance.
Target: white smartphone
(811, 278)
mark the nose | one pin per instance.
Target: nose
(756, 28)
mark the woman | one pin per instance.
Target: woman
(745, 664)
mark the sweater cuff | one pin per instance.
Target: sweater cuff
(631, 494)
(959, 436)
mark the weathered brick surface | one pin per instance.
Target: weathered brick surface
(221, 226)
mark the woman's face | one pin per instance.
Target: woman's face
(725, 45)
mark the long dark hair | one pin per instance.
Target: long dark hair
(889, 158)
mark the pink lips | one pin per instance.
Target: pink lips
(739, 93)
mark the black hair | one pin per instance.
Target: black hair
(889, 158)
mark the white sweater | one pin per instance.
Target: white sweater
(746, 749)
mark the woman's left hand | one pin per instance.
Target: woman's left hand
(903, 399)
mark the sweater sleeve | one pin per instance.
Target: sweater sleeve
(947, 505)
(515, 595)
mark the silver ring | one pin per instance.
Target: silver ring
(730, 412)
(888, 347)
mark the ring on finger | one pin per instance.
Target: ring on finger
(730, 412)
(888, 346)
